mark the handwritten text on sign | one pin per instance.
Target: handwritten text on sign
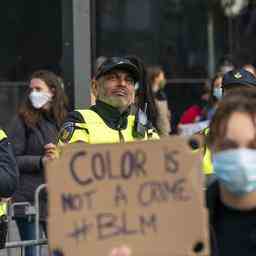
(143, 193)
(132, 165)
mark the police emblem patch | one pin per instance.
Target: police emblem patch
(66, 132)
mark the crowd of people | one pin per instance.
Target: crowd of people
(131, 104)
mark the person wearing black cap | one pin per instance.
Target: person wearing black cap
(238, 78)
(109, 120)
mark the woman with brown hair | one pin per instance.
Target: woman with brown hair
(232, 198)
(33, 134)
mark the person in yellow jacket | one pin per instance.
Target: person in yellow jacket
(109, 120)
(237, 79)
(8, 167)
(8, 181)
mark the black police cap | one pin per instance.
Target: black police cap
(120, 64)
(239, 77)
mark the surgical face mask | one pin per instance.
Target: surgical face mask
(162, 84)
(39, 99)
(218, 92)
(236, 170)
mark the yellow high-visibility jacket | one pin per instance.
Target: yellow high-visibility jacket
(94, 130)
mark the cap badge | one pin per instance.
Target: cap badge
(237, 75)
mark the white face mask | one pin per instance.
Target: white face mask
(39, 99)
(236, 169)
(218, 92)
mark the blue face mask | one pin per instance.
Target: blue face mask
(236, 170)
(217, 92)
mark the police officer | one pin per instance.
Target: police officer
(8, 167)
(109, 120)
(237, 79)
(8, 182)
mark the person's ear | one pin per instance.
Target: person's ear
(94, 87)
(53, 91)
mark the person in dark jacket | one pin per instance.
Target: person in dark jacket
(8, 182)
(33, 134)
(231, 199)
(8, 167)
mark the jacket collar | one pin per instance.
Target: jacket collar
(111, 115)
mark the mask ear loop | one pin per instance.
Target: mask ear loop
(51, 98)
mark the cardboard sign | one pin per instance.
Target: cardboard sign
(144, 196)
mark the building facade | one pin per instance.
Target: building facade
(187, 38)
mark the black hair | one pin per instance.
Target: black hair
(144, 92)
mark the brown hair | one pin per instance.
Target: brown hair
(58, 110)
(239, 100)
(144, 94)
(153, 72)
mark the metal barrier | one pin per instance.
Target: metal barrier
(30, 211)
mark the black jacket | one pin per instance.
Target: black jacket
(28, 144)
(233, 232)
(8, 169)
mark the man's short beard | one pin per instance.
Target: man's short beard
(115, 102)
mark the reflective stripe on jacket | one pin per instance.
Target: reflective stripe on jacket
(207, 159)
(2, 135)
